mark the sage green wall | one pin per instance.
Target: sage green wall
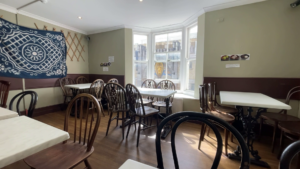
(11, 17)
(103, 45)
(128, 56)
(268, 31)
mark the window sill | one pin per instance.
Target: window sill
(184, 96)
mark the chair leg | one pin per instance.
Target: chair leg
(226, 133)
(280, 144)
(102, 110)
(208, 131)
(231, 137)
(274, 136)
(130, 123)
(123, 124)
(109, 121)
(117, 119)
(87, 164)
(202, 133)
(139, 131)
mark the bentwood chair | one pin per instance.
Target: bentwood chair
(113, 80)
(204, 107)
(138, 109)
(96, 90)
(208, 120)
(4, 90)
(21, 96)
(117, 103)
(151, 84)
(70, 153)
(273, 119)
(289, 153)
(215, 104)
(66, 91)
(165, 85)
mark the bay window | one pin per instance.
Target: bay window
(191, 57)
(140, 59)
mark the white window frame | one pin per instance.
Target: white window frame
(187, 60)
(148, 53)
(151, 59)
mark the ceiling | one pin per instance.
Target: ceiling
(99, 15)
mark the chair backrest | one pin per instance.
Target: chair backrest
(116, 96)
(149, 83)
(293, 91)
(203, 98)
(33, 100)
(166, 85)
(87, 124)
(96, 88)
(81, 80)
(213, 93)
(66, 81)
(4, 90)
(135, 100)
(288, 154)
(113, 80)
(208, 120)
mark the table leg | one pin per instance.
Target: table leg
(249, 123)
(74, 91)
(168, 127)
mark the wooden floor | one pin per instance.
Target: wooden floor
(111, 151)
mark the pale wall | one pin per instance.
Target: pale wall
(269, 31)
(128, 56)
(103, 45)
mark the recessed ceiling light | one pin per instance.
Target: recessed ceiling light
(79, 17)
(141, 0)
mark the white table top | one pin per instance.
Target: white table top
(79, 86)
(251, 99)
(131, 164)
(156, 92)
(22, 136)
(6, 114)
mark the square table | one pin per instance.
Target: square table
(76, 87)
(6, 114)
(160, 93)
(22, 136)
(131, 164)
(250, 100)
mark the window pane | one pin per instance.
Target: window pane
(177, 86)
(160, 70)
(174, 41)
(191, 74)
(174, 56)
(161, 43)
(140, 47)
(193, 42)
(140, 73)
(173, 70)
(160, 57)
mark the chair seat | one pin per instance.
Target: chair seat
(278, 117)
(69, 95)
(225, 109)
(148, 111)
(291, 127)
(60, 156)
(161, 104)
(226, 117)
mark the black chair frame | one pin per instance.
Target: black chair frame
(34, 98)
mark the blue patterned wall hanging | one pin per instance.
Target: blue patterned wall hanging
(30, 53)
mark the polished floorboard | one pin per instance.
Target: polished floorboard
(111, 151)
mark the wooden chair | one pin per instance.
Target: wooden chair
(81, 80)
(4, 90)
(117, 103)
(96, 90)
(272, 119)
(113, 80)
(204, 107)
(289, 153)
(209, 121)
(151, 84)
(20, 96)
(216, 105)
(165, 85)
(70, 153)
(138, 109)
(66, 91)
